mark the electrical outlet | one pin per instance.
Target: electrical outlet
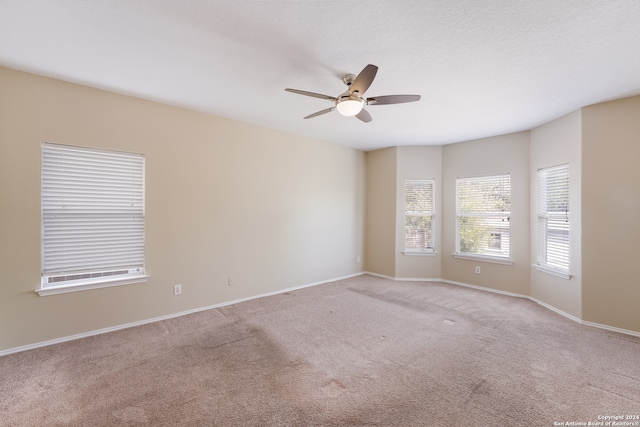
(358, 259)
(477, 269)
(229, 281)
(177, 289)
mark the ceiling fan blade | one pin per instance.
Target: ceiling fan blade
(363, 80)
(364, 116)
(392, 99)
(313, 94)
(319, 113)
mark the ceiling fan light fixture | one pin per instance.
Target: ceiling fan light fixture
(349, 105)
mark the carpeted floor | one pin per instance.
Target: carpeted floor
(364, 351)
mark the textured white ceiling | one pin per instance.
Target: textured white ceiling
(483, 67)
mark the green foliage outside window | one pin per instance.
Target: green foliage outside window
(483, 210)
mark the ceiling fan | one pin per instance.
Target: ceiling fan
(351, 102)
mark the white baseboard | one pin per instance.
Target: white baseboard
(402, 279)
(482, 288)
(556, 310)
(610, 328)
(552, 308)
(512, 294)
(160, 318)
(379, 275)
(227, 303)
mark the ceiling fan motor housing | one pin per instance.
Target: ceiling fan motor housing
(348, 79)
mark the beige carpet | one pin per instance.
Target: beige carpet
(359, 352)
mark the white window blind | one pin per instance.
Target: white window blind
(92, 215)
(553, 218)
(483, 209)
(419, 211)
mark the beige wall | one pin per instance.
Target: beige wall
(418, 163)
(555, 143)
(381, 211)
(610, 213)
(387, 170)
(273, 210)
(223, 198)
(489, 156)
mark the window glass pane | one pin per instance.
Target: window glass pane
(553, 217)
(419, 214)
(483, 213)
(418, 232)
(484, 235)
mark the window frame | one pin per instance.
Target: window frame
(429, 250)
(85, 191)
(505, 215)
(544, 177)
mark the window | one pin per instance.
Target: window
(92, 217)
(553, 218)
(483, 209)
(418, 209)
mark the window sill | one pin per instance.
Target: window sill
(86, 285)
(494, 260)
(419, 253)
(553, 272)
